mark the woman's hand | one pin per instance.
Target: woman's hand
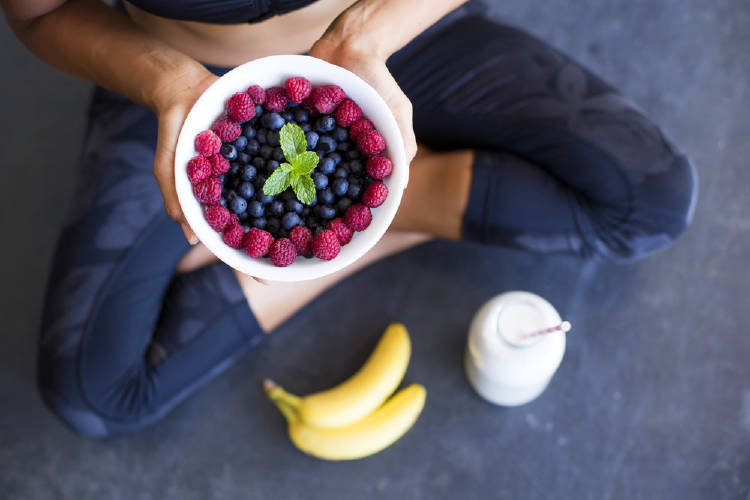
(171, 103)
(374, 71)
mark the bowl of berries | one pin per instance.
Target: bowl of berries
(290, 168)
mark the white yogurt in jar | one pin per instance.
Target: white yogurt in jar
(505, 365)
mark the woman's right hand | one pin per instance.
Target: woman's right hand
(171, 103)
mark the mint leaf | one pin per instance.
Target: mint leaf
(293, 141)
(278, 181)
(305, 162)
(304, 188)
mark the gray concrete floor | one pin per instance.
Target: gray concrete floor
(684, 61)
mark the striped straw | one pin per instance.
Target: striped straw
(562, 327)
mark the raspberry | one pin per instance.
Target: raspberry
(282, 252)
(218, 217)
(310, 108)
(226, 129)
(371, 142)
(275, 100)
(208, 191)
(326, 98)
(379, 167)
(198, 169)
(358, 217)
(343, 232)
(207, 143)
(297, 88)
(233, 236)
(361, 125)
(219, 165)
(301, 237)
(240, 107)
(347, 113)
(325, 245)
(234, 219)
(257, 93)
(257, 242)
(375, 194)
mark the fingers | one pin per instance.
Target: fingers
(169, 130)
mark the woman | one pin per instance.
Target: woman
(526, 148)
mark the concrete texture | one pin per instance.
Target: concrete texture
(651, 401)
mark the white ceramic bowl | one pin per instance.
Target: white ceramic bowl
(270, 72)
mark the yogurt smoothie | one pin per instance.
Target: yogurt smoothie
(505, 365)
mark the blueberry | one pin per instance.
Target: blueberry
(326, 144)
(301, 115)
(246, 190)
(341, 172)
(238, 205)
(326, 166)
(240, 143)
(234, 169)
(223, 201)
(248, 130)
(288, 195)
(260, 179)
(253, 146)
(312, 140)
(335, 157)
(248, 173)
(354, 191)
(283, 233)
(344, 146)
(340, 134)
(272, 165)
(343, 204)
(255, 209)
(293, 206)
(244, 158)
(326, 212)
(265, 199)
(340, 186)
(306, 127)
(290, 219)
(228, 151)
(230, 196)
(261, 137)
(272, 225)
(326, 196)
(259, 162)
(353, 154)
(325, 124)
(276, 207)
(273, 138)
(356, 167)
(243, 216)
(320, 179)
(266, 151)
(258, 110)
(287, 116)
(259, 222)
(314, 227)
(305, 212)
(278, 155)
(273, 121)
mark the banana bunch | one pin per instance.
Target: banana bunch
(356, 418)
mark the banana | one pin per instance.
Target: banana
(364, 391)
(373, 433)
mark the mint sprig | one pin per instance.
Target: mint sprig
(295, 173)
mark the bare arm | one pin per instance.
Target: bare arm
(367, 33)
(90, 40)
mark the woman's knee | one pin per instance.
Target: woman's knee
(662, 210)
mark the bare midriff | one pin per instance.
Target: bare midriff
(233, 44)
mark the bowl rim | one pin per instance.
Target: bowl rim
(374, 107)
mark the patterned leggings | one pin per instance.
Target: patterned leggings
(563, 163)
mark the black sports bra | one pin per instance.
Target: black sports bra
(221, 11)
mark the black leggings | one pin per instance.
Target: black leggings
(563, 163)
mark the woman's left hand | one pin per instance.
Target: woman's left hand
(374, 71)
